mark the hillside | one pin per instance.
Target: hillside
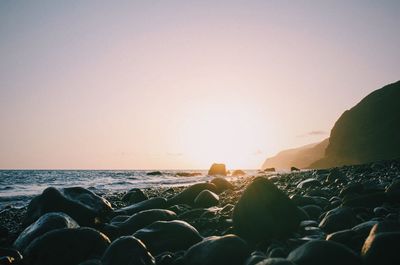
(300, 157)
(370, 131)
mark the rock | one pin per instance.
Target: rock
(127, 250)
(145, 218)
(188, 174)
(255, 257)
(311, 182)
(10, 256)
(238, 172)
(269, 169)
(369, 200)
(294, 169)
(46, 223)
(229, 249)
(222, 184)
(66, 247)
(265, 212)
(134, 196)
(188, 195)
(317, 252)
(154, 173)
(91, 262)
(314, 211)
(206, 199)
(153, 203)
(80, 204)
(171, 236)
(217, 169)
(338, 219)
(275, 261)
(381, 248)
(336, 176)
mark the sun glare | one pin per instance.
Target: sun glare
(226, 134)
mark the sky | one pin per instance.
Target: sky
(183, 84)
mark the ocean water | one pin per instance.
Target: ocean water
(18, 187)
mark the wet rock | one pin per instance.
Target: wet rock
(275, 261)
(308, 183)
(168, 236)
(294, 169)
(314, 211)
(317, 252)
(265, 212)
(188, 195)
(269, 169)
(9, 256)
(91, 262)
(66, 247)
(80, 204)
(217, 169)
(154, 173)
(46, 223)
(206, 199)
(229, 249)
(369, 200)
(381, 248)
(238, 172)
(188, 174)
(134, 196)
(336, 176)
(153, 203)
(255, 258)
(127, 250)
(222, 184)
(145, 218)
(393, 191)
(353, 188)
(338, 219)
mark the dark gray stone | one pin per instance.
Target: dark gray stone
(206, 199)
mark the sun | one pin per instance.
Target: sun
(221, 133)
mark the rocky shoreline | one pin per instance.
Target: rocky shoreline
(347, 215)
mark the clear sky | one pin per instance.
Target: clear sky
(182, 84)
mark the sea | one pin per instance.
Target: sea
(18, 187)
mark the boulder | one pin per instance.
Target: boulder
(91, 262)
(171, 236)
(134, 196)
(294, 169)
(229, 249)
(317, 252)
(80, 204)
(188, 195)
(153, 203)
(144, 218)
(338, 219)
(66, 247)
(206, 199)
(154, 173)
(222, 184)
(265, 212)
(217, 170)
(238, 172)
(308, 183)
(46, 223)
(127, 250)
(275, 261)
(313, 211)
(10, 256)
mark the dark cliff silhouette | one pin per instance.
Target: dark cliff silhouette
(300, 157)
(370, 131)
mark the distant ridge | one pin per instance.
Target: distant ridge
(300, 157)
(370, 131)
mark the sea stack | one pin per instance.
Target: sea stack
(217, 170)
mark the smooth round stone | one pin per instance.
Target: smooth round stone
(369, 200)
(382, 249)
(134, 196)
(308, 183)
(127, 250)
(338, 219)
(265, 212)
(222, 184)
(80, 204)
(188, 195)
(255, 257)
(171, 236)
(153, 203)
(317, 252)
(10, 256)
(66, 247)
(275, 261)
(46, 223)
(206, 199)
(91, 262)
(145, 218)
(229, 249)
(314, 211)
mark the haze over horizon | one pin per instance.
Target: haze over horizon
(182, 84)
